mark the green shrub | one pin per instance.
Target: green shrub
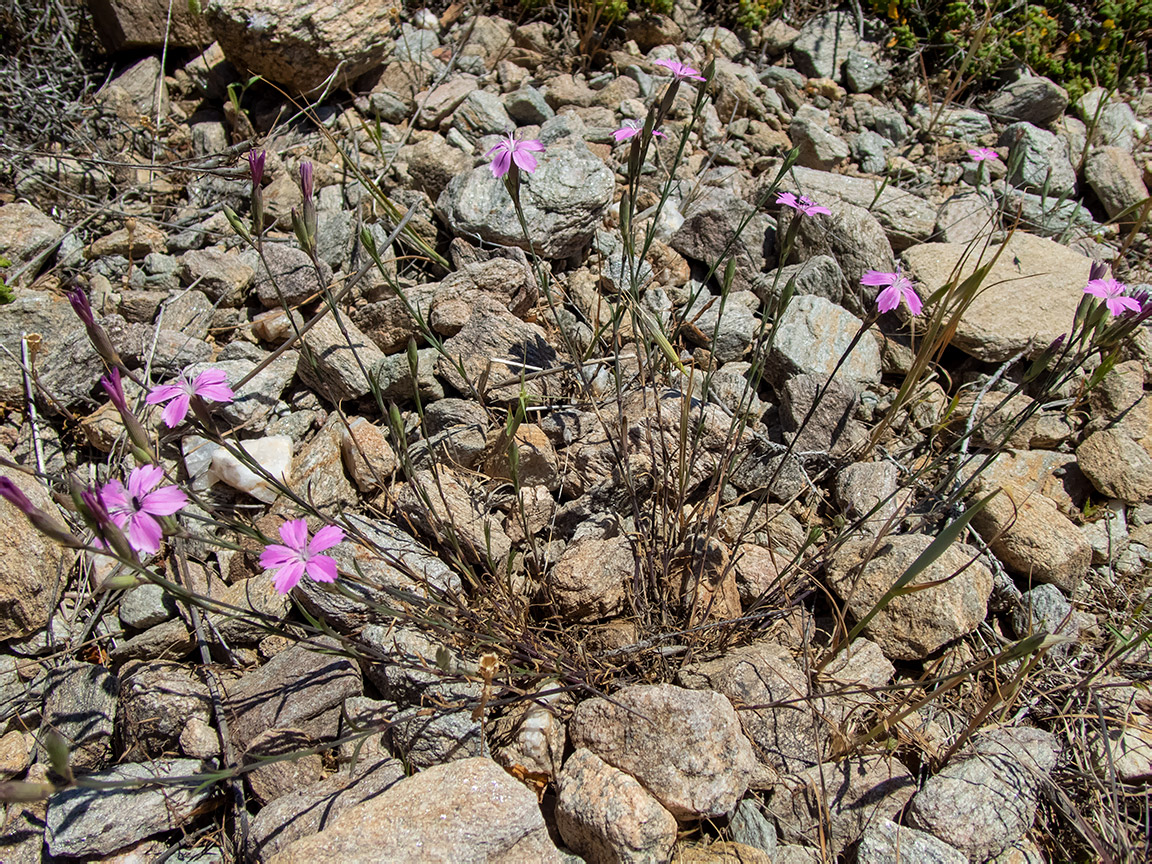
(1078, 44)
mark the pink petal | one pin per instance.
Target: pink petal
(326, 538)
(295, 534)
(275, 556)
(164, 502)
(144, 533)
(531, 145)
(163, 394)
(210, 384)
(913, 300)
(143, 480)
(286, 577)
(787, 199)
(321, 569)
(875, 277)
(888, 299)
(501, 163)
(115, 499)
(624, 133)
(524, 160)
(176, 411)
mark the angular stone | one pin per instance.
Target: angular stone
(709, 227)
(84, 821)
(831, 426)
(469, 810)
(157, 700)
(1032, 99)
(866, 486)
(982, 803)
(1033, 539)
(588, 581)
(318, 472)
(1028, 297)
(368, 455)
(819, 148)
(906, 218)
(293, 689)
(80, 706)
(289, 269)
(25, 234)
(706, 779)
(913, 625)
(31, 562)
(825, 42)
(221, 274)
(563, 201)
(813, 334)
(341, 363)
(433, 162)
(886, 842)
(146, 606)
(1044, 163)
(834, 802)
(1117, 466)
(266, 41)
(604, 815)
(1115, 178)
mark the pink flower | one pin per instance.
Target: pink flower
(299, 555)
(209, 386)
(632, 128)
(899, 287)
(510, 150)
(140, 504)
(980, 154)
(681, 71)
(804, 204)
(1112, 293)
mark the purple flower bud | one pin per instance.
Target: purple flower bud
(306, 180)
(115, 391)
(1098, 270)
(256, 165)
(11, 493)
(81, 306)
(95, 504)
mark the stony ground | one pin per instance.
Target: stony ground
(614, 628)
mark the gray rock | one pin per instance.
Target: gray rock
(266, 41)
(1116, 179)
(433, 162)
(819, 148)
(1031, 99)
(1043, 160)
(412, 667)
(318, 469)
(916, 624)
(528, 107)
(423, 739)
(170, 640)
(563, 202)
(146, 606)
(1044, 609)
(862, 73)
(868, 151)
(1028, 297)
(468, 810)
(30, 590)
(710, 224)
(606, 816)
(481, 113)
(1114, 124)
(223, 275)
(707, 779)
(984, 802)
(819, 275)
(157, 700)
(863, 486)
(414, 45)
(1117, 466)
(25, 235)
(888, 843)
(85, 822)
(726, 328)
(290, 270)
(831, 427)
(962, 124)
(304, 812)
(825, 42)
(135, 91)
(906, 218)
(588, 580)
(80, 706)
(393, 375)
(881, 119)
(1048, 215)
(834, 802)
(964, 217)
(764, 673)
(813, 334)
(750, 827)
(334, 365)
(852, 236)
(297, 688)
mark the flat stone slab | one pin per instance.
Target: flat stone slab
(1031, 293)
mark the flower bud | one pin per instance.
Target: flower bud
(96, 334)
